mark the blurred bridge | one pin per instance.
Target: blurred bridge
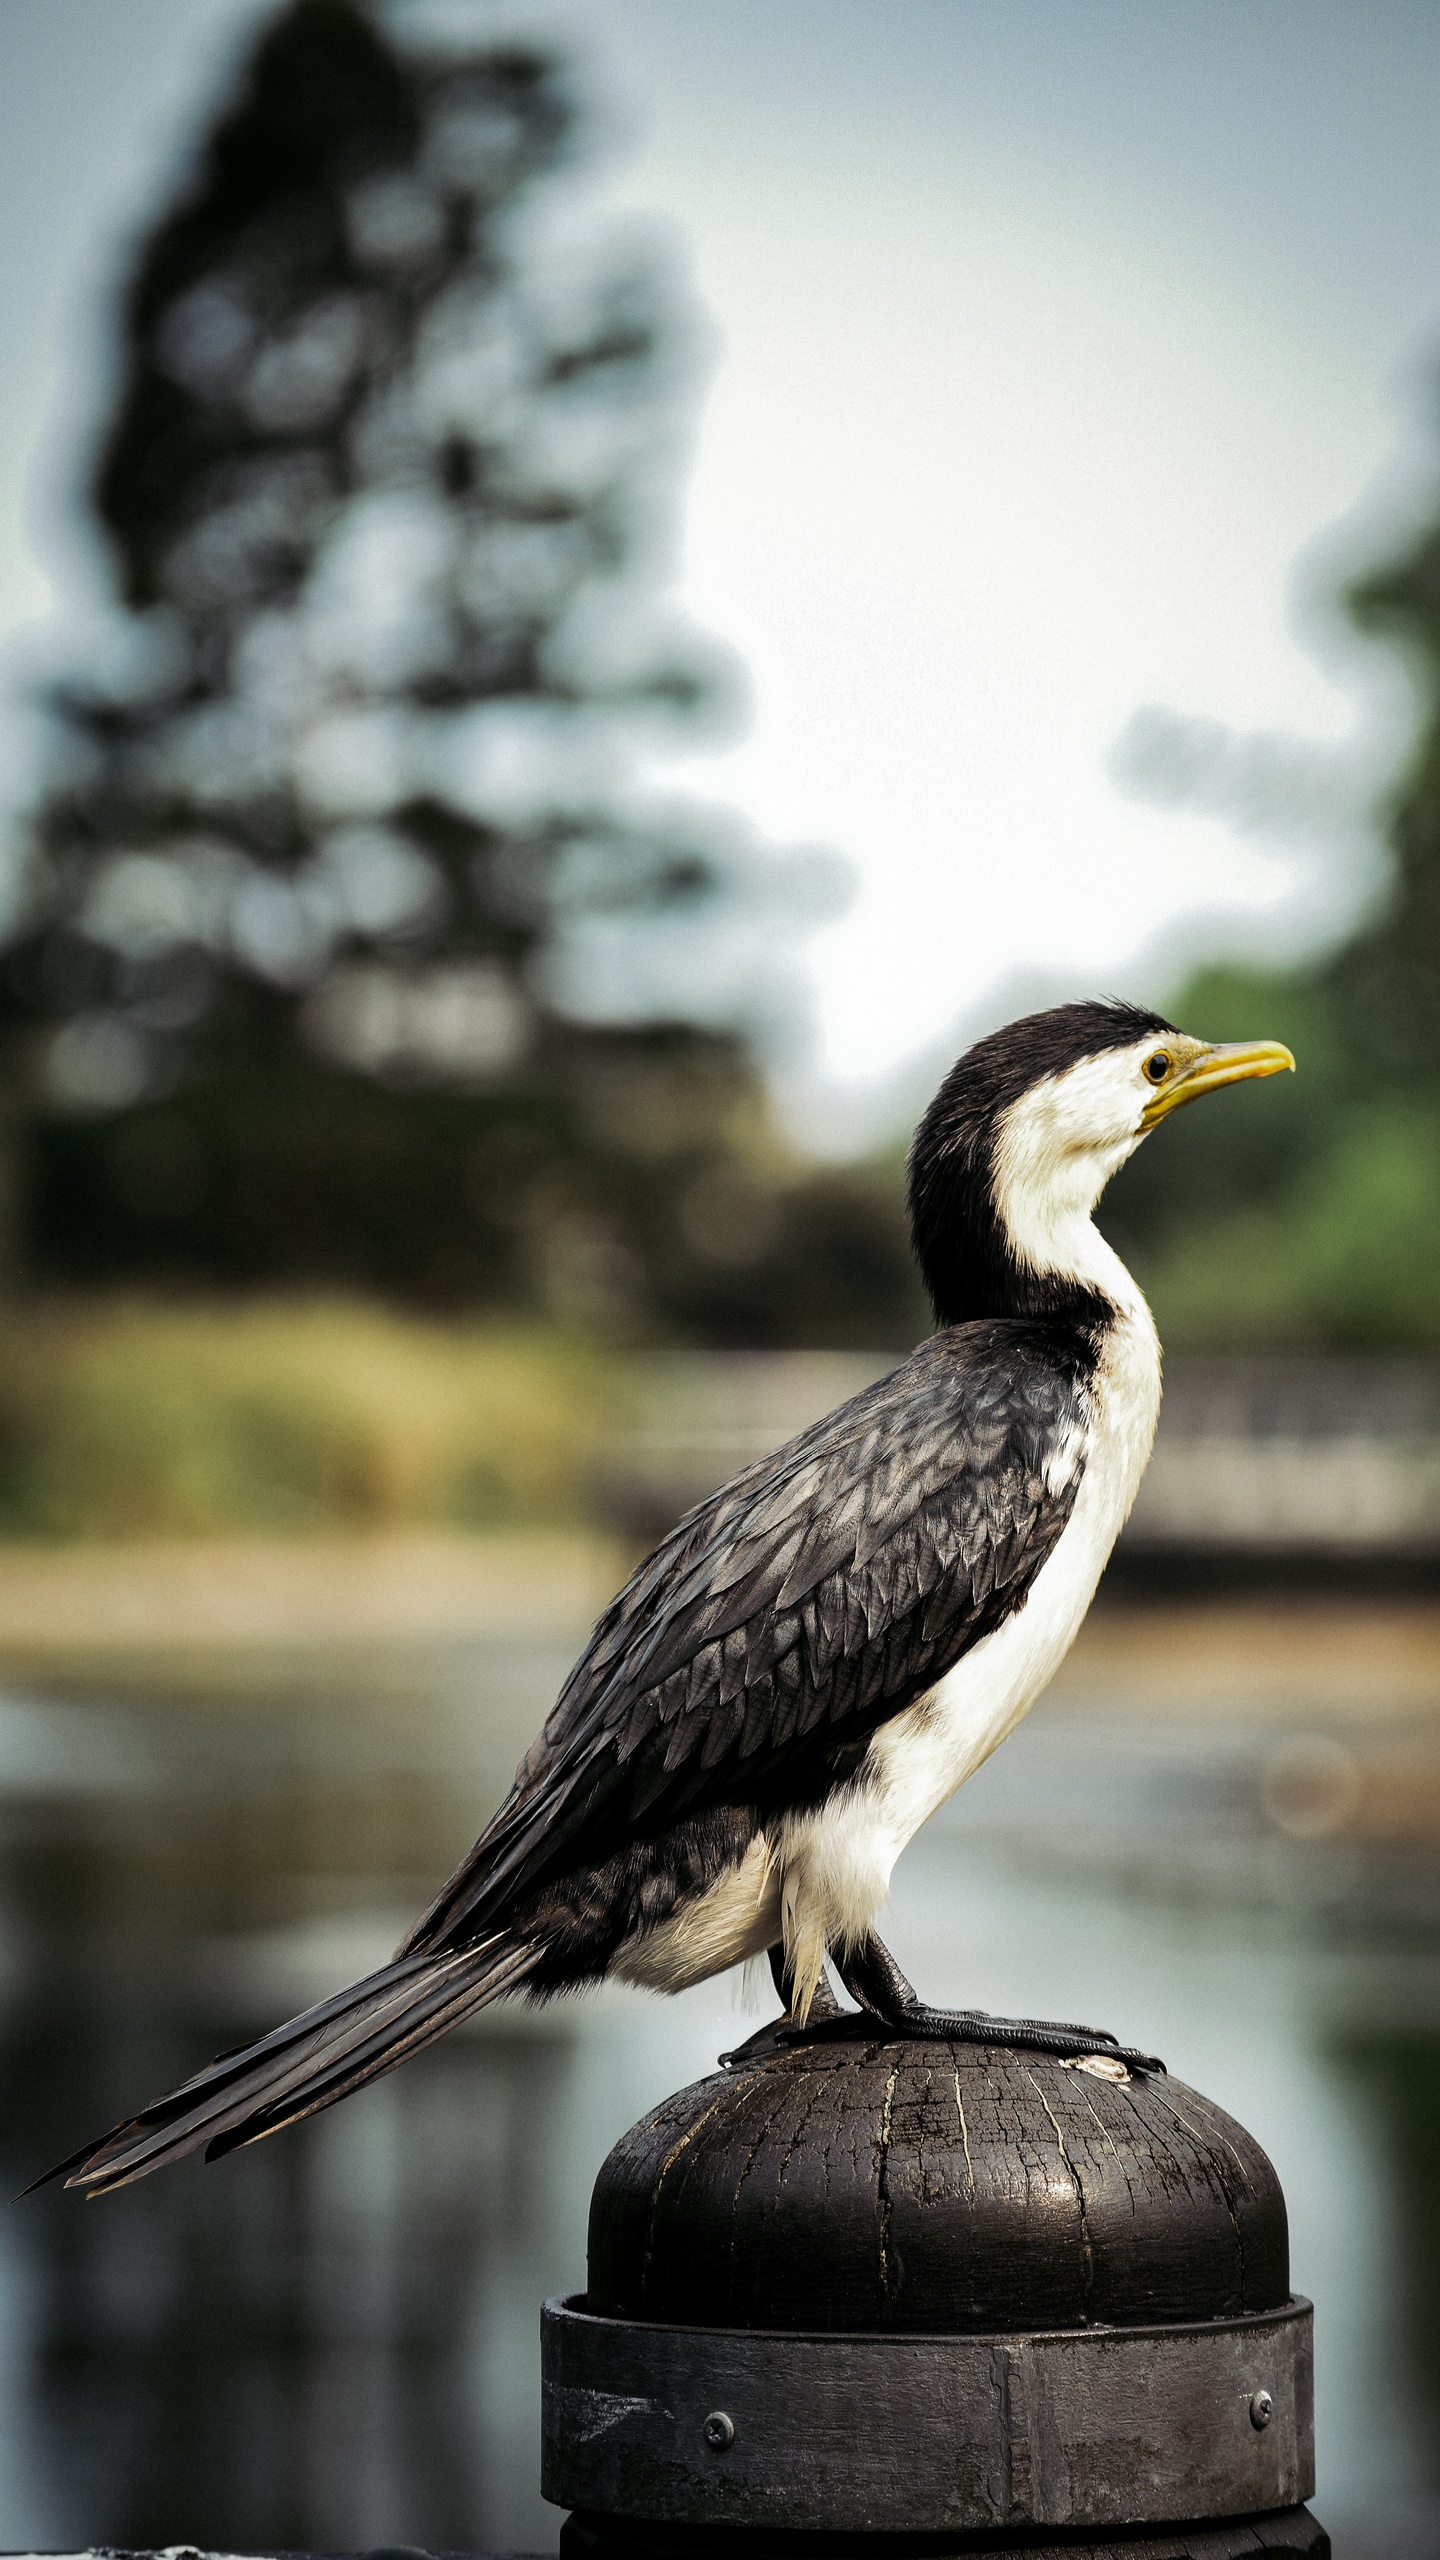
(1261, 1465)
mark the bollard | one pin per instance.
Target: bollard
(875, 2295)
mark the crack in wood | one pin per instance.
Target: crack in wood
(964, 2136)
(883, 2178)
(1077, 2182)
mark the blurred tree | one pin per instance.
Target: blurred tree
(1309, 1213)
(350, 946)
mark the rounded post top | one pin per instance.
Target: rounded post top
(916, 2186)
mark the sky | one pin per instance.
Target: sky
(1066, 354)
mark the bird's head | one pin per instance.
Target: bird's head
(1022, 1137)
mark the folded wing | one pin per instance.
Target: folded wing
(813, 1597)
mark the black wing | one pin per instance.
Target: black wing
(809, 1600)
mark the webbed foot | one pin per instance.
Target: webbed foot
(887, 2000)
(872, 1976)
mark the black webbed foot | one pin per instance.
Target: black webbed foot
(872, 1976)
(887, 2000)
(1032, 2035)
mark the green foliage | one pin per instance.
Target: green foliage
(131, 1419)
(1346, 1256)
(1307, 1212)
(1250, 1142)
(1303, 1211)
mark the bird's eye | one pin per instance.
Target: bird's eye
(1157, 1066)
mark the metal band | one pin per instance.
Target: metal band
(887, 2433)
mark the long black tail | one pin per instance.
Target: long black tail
(303, 2066)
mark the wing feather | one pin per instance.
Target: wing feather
(811, 1598)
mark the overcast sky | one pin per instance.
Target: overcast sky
(1067, 352)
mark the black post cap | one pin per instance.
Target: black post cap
(937, 2187)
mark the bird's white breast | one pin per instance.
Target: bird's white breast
(925, 1754)
(837, 1860)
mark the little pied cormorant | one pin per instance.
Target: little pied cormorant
(821, 1653)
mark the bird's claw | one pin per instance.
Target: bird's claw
(1068, 2042)
(783, 2034)
(1073, 2045)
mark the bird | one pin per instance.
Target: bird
(819, 1654)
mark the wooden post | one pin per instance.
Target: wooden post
(864, 2291)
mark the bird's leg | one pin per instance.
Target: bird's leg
(872, 1976)
(782, 2033)
(823, 2003)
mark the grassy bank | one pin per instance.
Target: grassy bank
(134, 1419)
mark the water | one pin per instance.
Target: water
(331, 2342)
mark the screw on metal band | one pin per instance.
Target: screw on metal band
(1262, 2409)
(719, 2431)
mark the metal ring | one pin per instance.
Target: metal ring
(868, 2434)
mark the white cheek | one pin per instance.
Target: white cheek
(1056, 1150)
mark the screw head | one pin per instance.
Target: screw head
(1262, 2409)
(719, 2431)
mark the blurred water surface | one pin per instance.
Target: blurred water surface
(331, 2342)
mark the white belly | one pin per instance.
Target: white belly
(738, 1918)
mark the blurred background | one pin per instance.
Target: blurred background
(586, 593)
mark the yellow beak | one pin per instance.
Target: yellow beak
(1231, 1063)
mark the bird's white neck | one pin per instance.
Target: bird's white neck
(1049, 1167)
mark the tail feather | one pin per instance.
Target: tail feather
(303, 2066)
(379, 2054)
